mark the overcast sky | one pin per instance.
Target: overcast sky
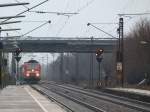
(94, 11)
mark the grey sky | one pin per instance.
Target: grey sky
(95, 11)
(89, 11)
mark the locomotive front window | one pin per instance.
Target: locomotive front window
(32, 66)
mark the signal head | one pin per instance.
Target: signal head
(18, 51)
(99, 52)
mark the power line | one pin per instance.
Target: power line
(57, 13)
(15, 30)
(77, 12)
(35, 28)
(89, 24)
(134, 14)
(33, 21)
(22, 5)
(10, 22)
(43, 12)
(10, 17)
(28, 9)
(106, 23)
(66, 21)
(13, 4)
(85, 6)
(63, 26)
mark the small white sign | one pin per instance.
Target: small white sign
(119, 66)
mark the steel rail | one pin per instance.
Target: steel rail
(110, 95)
(104, 98)
(52, 98)
(95, 109)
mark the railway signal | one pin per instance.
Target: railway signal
(99, 58)
(18, 51)
(99, 53)
(17, 57)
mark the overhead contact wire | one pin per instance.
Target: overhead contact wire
(103, 31)
(27, 10)
(36, 28)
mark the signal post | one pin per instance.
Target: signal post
(99, 58)
(17, 57)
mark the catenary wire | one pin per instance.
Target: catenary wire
(35, 28)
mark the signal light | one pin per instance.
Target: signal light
(18, 51)
(99, 52)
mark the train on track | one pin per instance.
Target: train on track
(31, 71)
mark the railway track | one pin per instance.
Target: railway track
(45, 92)
(96, 101)
(110, 95)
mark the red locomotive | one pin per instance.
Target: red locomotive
(31, 71)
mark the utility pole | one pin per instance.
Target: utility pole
(120, 52)
(120, 63)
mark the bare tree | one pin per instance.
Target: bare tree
(137, 52)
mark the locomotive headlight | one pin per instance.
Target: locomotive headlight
(27, 75)
(32, 70)
(37, 74)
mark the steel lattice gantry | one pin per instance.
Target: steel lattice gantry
(60, 45)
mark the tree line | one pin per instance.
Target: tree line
(75, 67)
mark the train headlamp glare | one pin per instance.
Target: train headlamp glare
(37, 74)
